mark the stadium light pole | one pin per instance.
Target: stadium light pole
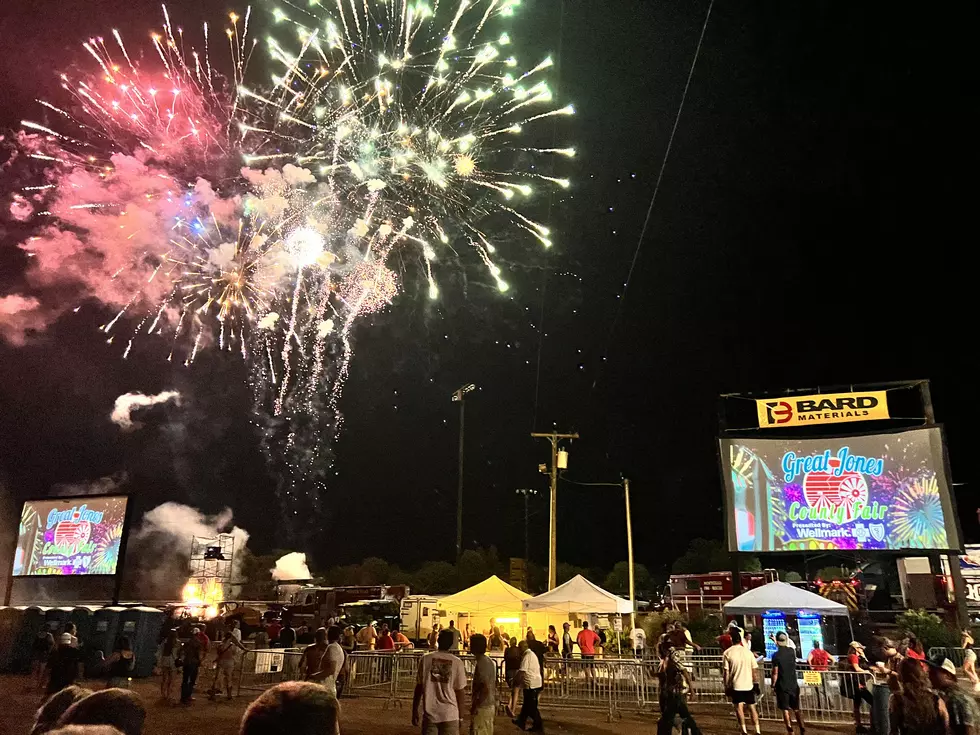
(460, 397)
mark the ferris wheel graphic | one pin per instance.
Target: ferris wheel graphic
(827, 491)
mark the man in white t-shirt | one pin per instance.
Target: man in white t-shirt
(638, 639)
(530, 674)
(739, 670)
(440, 688)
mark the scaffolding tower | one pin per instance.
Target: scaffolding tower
(211, 562)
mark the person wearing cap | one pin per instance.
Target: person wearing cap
(961, 707)
(784, 682)
(854, 678)
(969, 659)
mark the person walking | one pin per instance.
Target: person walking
(120, 665)
(961, 707)
(483, 700)
(739, 672)
(168, 654)
(969, 660)
(228, 650)
(64, 665)
(287, 636)
(784, 682)
(192, 656)
(854, 681)
(41, 648)
(439, 689)
(916, 709)
(675, 684)
(531, 680)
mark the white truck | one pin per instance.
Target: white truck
(418, 613)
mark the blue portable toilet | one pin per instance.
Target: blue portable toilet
(142, 626)
(105, 629)
(83, 616)
(10, 624)
(32, 620)
(56, 618)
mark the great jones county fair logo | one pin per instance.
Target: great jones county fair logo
(834, 486)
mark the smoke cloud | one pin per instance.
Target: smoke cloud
(159, 553)
(291, 566)
(128, 402)
(108, 485)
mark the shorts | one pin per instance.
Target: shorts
(439, 728)
(482, 722)
(226, 665)
(787, 700)
(743, 697)
(588, 656)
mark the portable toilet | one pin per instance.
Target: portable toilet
(105, 628)
(32, 620)
(56, 618)
(10, 625)
(142, 626)
(83, 616)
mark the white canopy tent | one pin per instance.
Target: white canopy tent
(577, 596)
(786, 599)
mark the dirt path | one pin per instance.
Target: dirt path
(360, 717)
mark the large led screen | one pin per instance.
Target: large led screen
(78, 535)
(876, 491)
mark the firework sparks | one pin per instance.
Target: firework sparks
(917, 514)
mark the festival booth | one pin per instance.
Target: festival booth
(491, 603)
(576, 600)
(775, 601)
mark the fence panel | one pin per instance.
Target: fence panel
(606, 685)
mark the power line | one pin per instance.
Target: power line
(656, 190)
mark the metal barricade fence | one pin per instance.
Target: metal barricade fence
(608, 685)
(259, 669)
(956, 655)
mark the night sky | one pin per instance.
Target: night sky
(812, 228)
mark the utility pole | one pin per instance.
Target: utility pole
(554, 437)
(525, 492)
(629, 553)
(459, 397)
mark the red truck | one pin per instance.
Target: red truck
(708, 591)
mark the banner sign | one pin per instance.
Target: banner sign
(970, 567)
(70, 536)
(825, 408)
(874, 492)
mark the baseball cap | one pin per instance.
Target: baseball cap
(781, 638)
(857, 644)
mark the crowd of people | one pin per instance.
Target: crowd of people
(906, 693)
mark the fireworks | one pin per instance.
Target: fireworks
(917, 513)
(408, 111)
(213, 208)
